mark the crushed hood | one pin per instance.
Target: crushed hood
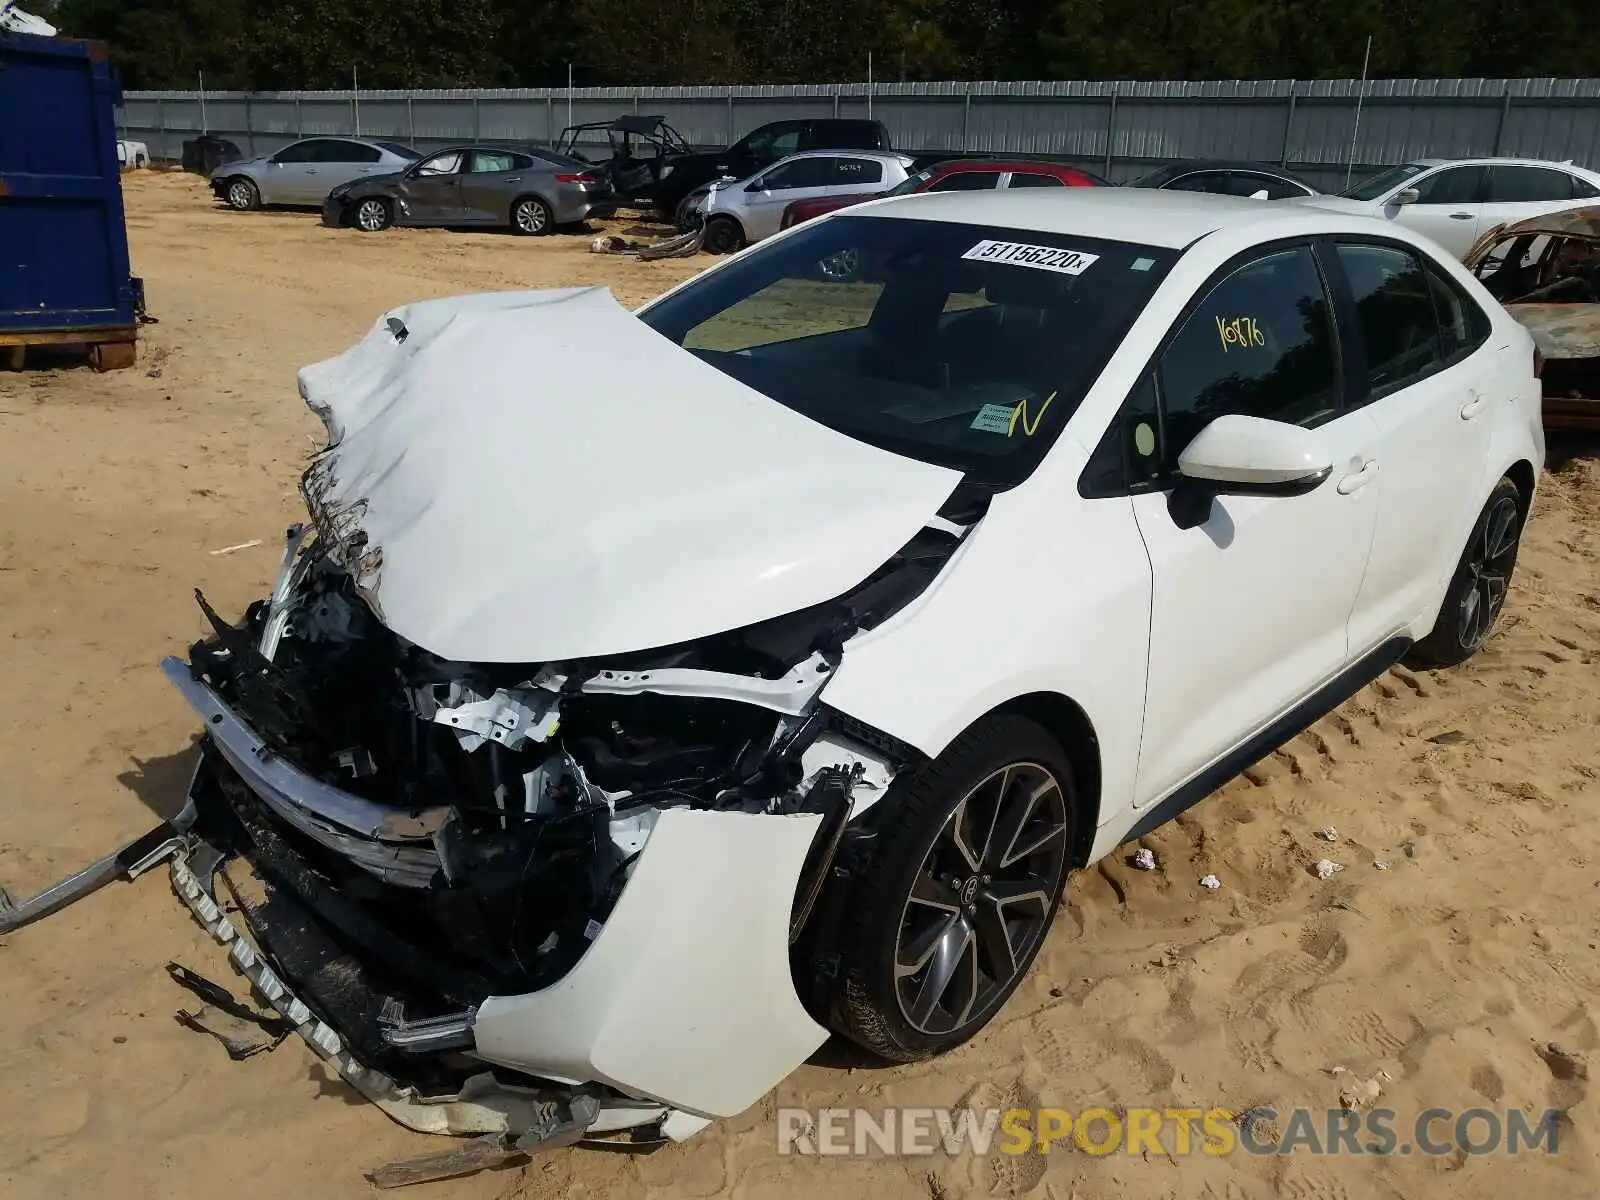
(534, 476)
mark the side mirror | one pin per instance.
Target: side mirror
(755, 185)
(1406, 196)
(1246, 456)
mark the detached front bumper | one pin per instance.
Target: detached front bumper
(333, 213)
(219, 188)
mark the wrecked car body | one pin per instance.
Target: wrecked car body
(1546, 272)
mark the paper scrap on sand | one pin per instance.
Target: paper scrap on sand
(240, 546)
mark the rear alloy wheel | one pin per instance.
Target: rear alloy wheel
(243, 195)
(723, 236)
(947, 919)
(531, 216)
(373, 214)
(1478, 589)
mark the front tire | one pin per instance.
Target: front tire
(1477, 590)
(243, 194)
(956, 901)
(723, 236)
(372, 215)
(531, 217)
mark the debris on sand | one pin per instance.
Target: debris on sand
(1327, 868)
(1144, 860)
(1211, 883)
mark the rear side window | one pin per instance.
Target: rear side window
(1394, 315)
(348, 152)
(1260, 344)
(1463, 326)
(858, 170)
(1204, 181)
(1021, 179)
(1526, 185)
(1582, 189)
(486, 162)
(1457, 185)
(967, 181)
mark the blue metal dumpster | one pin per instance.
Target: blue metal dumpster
(64, 272)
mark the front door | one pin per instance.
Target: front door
(766, 197)
(1417, 363)
(1250, 608)
(285, 180)
(1448, 207)
(430, 192)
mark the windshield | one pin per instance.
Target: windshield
(907, 186)
(962, 345)
(1383, 184)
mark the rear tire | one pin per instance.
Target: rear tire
(1477, 590)
(723, 236)
(372, 215)
(531, 217)
(243, 194)
(958, 896)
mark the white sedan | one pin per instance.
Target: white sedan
(737, 212)
(605, 749)
(1456, 201)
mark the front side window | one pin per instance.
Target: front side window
(1527, 185)
(912, 184)
(962, 345)
(1394, 315)
(799, 173)
(1457, 185)
(300, 152)
(1384, 182)
(1260, 344)
(448, 163)
(1201, 181)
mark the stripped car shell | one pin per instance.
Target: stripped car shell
(1567, 334)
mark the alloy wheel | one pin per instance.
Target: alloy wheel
(241, 194)
(530, 216)
(1494, 553)
(372, 215)
(982, 899)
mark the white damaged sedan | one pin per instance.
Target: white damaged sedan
(616, 732)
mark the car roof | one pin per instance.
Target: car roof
(894, 156)
(1142, 216)
(1227, 164)
(948, 165)
(1491, 161)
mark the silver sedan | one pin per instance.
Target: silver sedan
(737, 212)
(303, 172)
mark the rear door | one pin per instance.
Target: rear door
(1517, 192)
(491, 182)
(1448, 207)
(1416, 357)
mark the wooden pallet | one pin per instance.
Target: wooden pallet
(109, 349)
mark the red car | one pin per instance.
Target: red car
(955, 175)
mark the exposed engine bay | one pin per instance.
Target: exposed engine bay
(524, 793)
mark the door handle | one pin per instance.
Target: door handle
(311, 170)
(514, 179)
(1461, 216)
(1474, 405)
(1357, 480)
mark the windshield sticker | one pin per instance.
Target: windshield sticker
(1041, 258)
(994, 418)
(1142, 264)
(1019, 415)
(1240, 331)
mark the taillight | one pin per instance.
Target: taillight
(1538, 363)
(586, 179)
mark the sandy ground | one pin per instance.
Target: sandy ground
(1452, 970)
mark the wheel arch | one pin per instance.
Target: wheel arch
(261, 192)
(744, 234)
(1065, 720)
(1522, 474)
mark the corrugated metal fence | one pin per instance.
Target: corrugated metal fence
(1119, 129)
